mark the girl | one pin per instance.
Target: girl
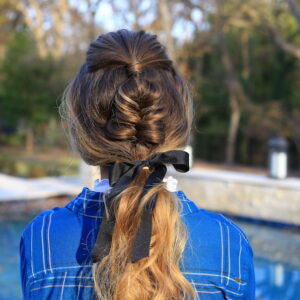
(130, 113)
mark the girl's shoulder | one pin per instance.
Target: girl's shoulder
(205, 220)
(218, 257)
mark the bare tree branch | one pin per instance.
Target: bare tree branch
(37, 25)
(283, 44)
(58, 25)
(167, 26)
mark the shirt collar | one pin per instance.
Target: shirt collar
(90, 203)
(101, 185)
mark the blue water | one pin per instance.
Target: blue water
(275, 279)
(10, 285)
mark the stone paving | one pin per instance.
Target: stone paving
(243, 194)
(20, 189)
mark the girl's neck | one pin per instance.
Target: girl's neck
(103, 172)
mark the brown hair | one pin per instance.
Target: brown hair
(127, 102)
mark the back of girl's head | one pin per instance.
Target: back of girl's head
(128, 100)
(126, 103)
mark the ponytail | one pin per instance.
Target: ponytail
(158, 276)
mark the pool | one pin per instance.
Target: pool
(276, 249)
(10, 285)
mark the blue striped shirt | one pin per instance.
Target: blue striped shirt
(55, 252)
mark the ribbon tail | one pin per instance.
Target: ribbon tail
(104, 237)
(141, 246)
(103, 241)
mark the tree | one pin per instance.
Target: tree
(29, 87)
(60, 26)
(242, 80)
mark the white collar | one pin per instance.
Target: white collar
(103, 185)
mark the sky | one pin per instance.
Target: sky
(111, 21)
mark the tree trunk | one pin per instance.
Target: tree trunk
(29, 143)
(296, 129)
(232, 134)
(235, 97)
(167, 25)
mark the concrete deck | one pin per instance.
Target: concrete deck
(20, 189)
(243, 194)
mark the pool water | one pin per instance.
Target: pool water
(277, 260)
(10, 284)
(276, 280)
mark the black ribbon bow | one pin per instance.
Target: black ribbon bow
(120, 176)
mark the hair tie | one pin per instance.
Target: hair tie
(134, 67)
(120, 176)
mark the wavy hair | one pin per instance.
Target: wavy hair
(126, 103)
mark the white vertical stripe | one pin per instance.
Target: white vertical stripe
(42, 239)
(49, 247)
(229, 264)
(63, 287)
(240, 260)
(78, 294)
(236, 227)
(222, 249)
(79, 287)
(31, 247)
(84, 201)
